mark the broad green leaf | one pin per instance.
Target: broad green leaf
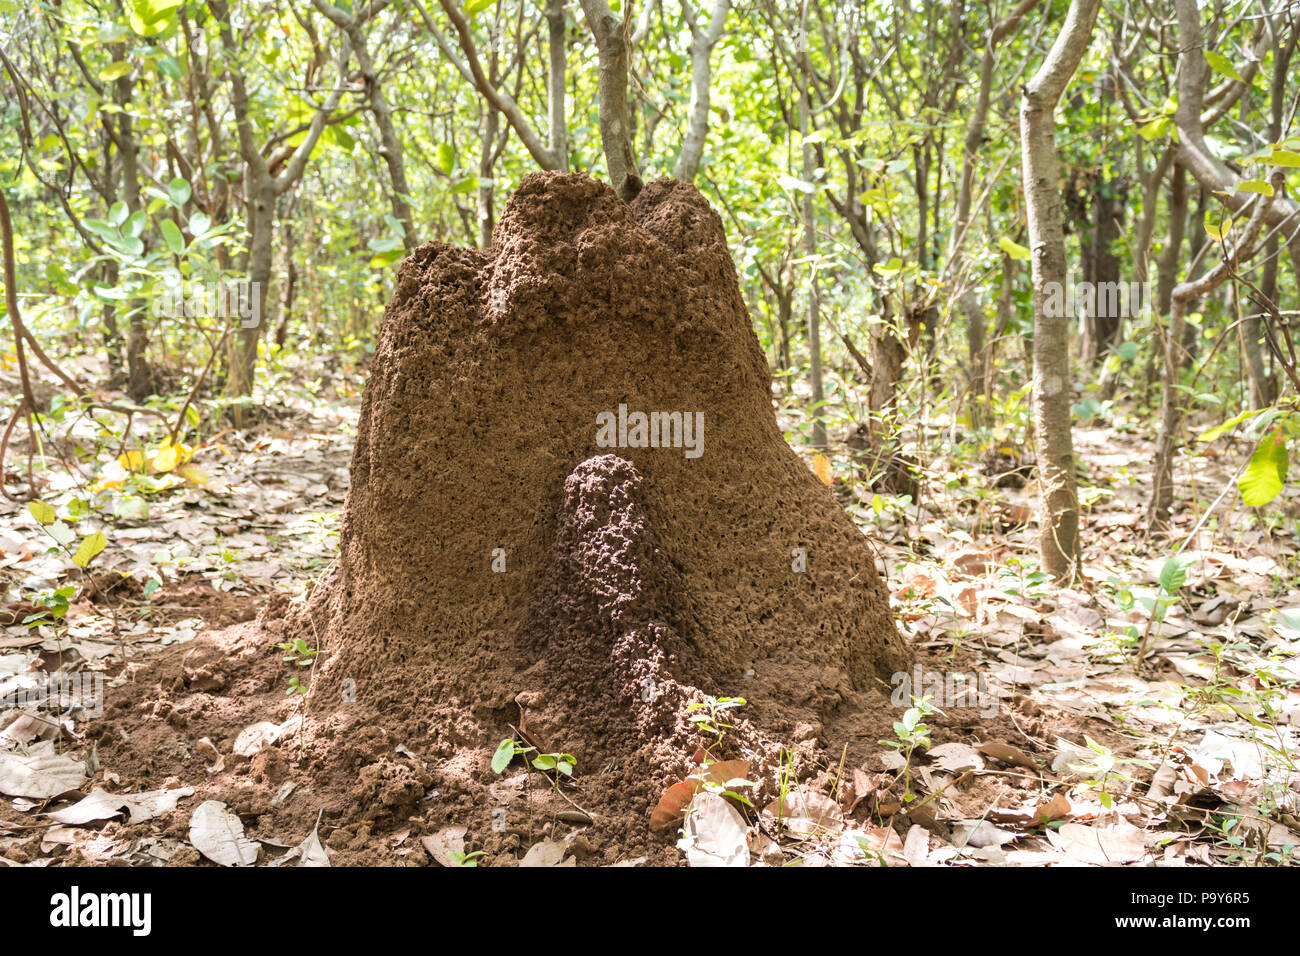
(42, 512)
(172, 235)
(1014, 249)
(1216, 229)
(446, 158)
(1255, 186)
(149, 18)
(1223, 66)
(477, 6)
(90, 546)
(1173, 575)
(1210, 434)
(1283, 157)
(1262, 480)
(114, 71)
(1156, 129)
(178, 190)
(505, 753)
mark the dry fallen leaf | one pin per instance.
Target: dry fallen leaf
(40, 775)
(217, 834)
(1119, 843)
(101, 805)
(444, 844)
(1007, 754)
(805, 812)
(546, 853)
(715, 834)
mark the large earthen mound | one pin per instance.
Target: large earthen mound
(501, 564)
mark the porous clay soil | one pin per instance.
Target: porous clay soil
(502, 574)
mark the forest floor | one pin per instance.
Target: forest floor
(1070, 756)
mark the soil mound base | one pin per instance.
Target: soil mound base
(572, 511)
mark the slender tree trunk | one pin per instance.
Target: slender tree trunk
(487, 149)
(819, 439)
(615, 116)
(1058, 542)
(703, 40)
(557, 50)
(139, 378)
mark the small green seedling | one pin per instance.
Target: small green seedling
(300, 655)
(912, 732)
(507, 751)
(711, 721)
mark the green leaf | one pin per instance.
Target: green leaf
(1262, 480)
(1255, 186)
(1216, 230)
(149, 18)
(1174, 573)
(42, 512)
(172, 235)
(505, 753)
(446, 157)
(1223, 66)
(1210, 434)
(178, 190)
(477, 6)
(1014, 249)
(1156, 129)
(1283, 157)
(114, 71)
(90, 546)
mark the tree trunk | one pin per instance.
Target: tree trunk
(615, 117)
(819, 439)
(1058, 542)
(703, 40)
(557, 51)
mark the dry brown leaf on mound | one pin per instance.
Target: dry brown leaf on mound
(805, 812)
(445, 845)
(309, 853)
(40, 775)
(956, 757)
(1119, 843)
(217, 834)
(546, 853)
(1045, 811)
(670, 811)
(715, 834)
(101, 805)
(874, 845)
(32, 726)
(857, 790)
(255, 737)
(1007, 754)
